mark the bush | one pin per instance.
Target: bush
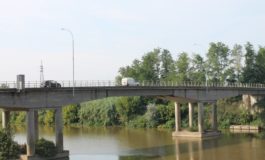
(49, 117)
(98, 113)
(170, 124)
(128, 108)
(70, 114)
(138, 122)
(8, 148)
(45, 148)
(165, 113)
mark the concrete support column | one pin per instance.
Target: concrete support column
(5, 118)
(177, 117)
(190, 114)
(200, 117)
(30, 132)
(59, 129)
(36, 125)
(214, 117)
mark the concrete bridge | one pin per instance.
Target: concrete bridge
(34, 98)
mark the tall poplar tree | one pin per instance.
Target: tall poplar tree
(236, 60)
(217, 58)
(182, 66)
(250, 70)
(168, 68)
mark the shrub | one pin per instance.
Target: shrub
(98, 113)
(170, 124)
(70, 114)
(49, 117)
(45, 148)
(8, 148)
(138, 122)
(165, 113)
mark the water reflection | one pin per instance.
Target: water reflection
(228, 146)
(139, 144)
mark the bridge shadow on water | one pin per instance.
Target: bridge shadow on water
(228, 146)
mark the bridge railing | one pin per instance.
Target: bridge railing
(37, 84)
(106, 83)
(199, 84)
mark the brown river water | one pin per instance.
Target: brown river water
(152, 144)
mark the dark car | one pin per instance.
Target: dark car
(50, 84)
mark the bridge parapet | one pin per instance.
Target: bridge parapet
(109, 83)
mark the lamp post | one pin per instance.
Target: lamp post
(73, 46)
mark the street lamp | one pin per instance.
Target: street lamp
(69, 31)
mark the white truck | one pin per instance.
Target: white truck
(128, 81)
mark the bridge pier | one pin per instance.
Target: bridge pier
(201, 132)
(5, 118)
(31, 137)
(177, 117)
(59, 129)
(190, 114)
(200, 117)
(214, 117)
(36, 125)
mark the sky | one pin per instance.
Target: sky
(110, 34)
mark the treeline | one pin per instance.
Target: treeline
(220, 64)
(238, 64)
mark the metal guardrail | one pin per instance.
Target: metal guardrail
(37, 84)
(102, 83)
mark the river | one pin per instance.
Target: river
(152, 144)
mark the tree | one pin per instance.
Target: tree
(131, 71)
(260, 65)
(250, 70)
(150, 66)
(217, 57)
(236, 60)
(146, 69)
(168, 69)
(198, 69)
(182, 66)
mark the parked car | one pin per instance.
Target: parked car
(128, 81)
(50, 84)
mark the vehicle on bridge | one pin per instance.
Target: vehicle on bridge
(50, 84)
(128, 81)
